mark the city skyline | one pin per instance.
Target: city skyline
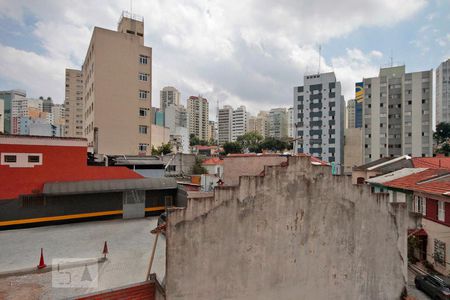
(253, 63)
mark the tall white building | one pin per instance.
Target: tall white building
(290, 117)
(225, 120)
(397, 114)
(443, 92)
(175, 116)
(169, 96)
(198, 116)
(239, 124)
(319, 113)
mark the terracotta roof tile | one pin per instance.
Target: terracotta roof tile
(213, 161)
(431, 162)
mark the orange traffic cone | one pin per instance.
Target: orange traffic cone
(105, 250)
(41, 261)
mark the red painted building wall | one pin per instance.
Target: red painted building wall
(59, 163)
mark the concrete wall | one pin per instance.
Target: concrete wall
(235, 166)
(439, 232)
(295, 233)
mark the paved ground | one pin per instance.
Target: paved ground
(419, 295)
(129, 241)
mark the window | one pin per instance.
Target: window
(143, 59)
(10, 158)
(143, 94)
(171, 168)
(420, 205)
(143, 112)
(143, 147)
(143, 129)
(143, 76)
(439, 252)
(441, 211)
(33, 158)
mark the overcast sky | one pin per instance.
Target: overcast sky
(238, 52)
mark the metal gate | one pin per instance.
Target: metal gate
(133, 204)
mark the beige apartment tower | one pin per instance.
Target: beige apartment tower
(198, 116)
(117, 76)
(169, 96)
(73, 104)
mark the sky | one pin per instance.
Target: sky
(237, 52)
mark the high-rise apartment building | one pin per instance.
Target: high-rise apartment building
(239, 123)
(278, 123)
(47, 104)
(169, 96)
(198, 116)
(212, 135)
(259, 124)
(225, 121)
(8, 97)
(175, 116)
(398, 114)
(290, 125)
(117, 76)
(443, 92)
(25, 108)
(319, 112)
(359, 100)
(351, 113)
(74, 104)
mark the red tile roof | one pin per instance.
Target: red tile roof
(213, 161)
(431, 162)
(423, 182)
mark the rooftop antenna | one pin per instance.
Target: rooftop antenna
(320, 54)
(392, 58)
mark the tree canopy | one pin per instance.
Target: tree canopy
(251, 141)
(162, 150)
(194, 140)
(442, 133)
(232, 147)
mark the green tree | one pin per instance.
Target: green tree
(232, 147)
(197, 168)
(442, 133)
(273, 144)
(443, 148)
(194, 140)
(162, 150)
(250, 141)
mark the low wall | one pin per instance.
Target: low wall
(296, 233)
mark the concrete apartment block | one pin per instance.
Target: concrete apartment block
(198, 116)
(8, 97)
(443, 92)
(117, 76)
(239, 124)
(319, 112)
(259, 124)
(397, 114)
(278, 123)
(225, 121)
(267, 239)
(74, 104)
(353, 149)
(350, 123)
(169, 96)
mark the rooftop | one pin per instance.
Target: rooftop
(213, 161)
(129, 245)
(431, 162)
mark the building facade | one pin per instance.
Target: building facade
(290, 114)
(239, 123)
(351, 113)
(198, 116)
(443, 92)
(398, 114)
(74, 104)
(278, 123)
(117, 75)
(224, 125)
(8, 97)
(169, 96)
(353, 149)
(212, 131)
(23, 108)
(259, 124)
(319, 112)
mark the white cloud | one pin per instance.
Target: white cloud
(240, 52)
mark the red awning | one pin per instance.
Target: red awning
(415, 232)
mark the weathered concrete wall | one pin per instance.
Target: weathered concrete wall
(235, 166)
(296, 233)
